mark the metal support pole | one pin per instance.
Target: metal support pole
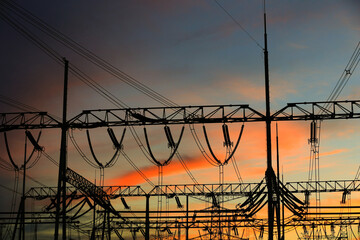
(179, 231)
(93, 233)
(229, 229)
(103, 227)
(147, 220)
(134, 234)
(61, 191)
(109, 229)
(220, 231)
(17, 220)
(35, 230)
(269, 170)
(187, 217)
(22, 223)
(283, 213)
(278, 202)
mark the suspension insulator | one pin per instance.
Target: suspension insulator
(179, 205)
(171, 143)
(344, 195)
(124, 203)
(313, 134)
(113, 138)
(261, 232)
(227, 141)
(214, 201)
(142, 232)
(117, 145)
(193, 217)
(33, 141)
(307, 198)
(236, 232)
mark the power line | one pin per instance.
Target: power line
(9, 189)
(24, 31)
(90, 56)
(345, 76)
(73, 69)
(238, 23)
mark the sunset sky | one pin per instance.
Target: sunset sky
(193, 53)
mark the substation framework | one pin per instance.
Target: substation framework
(215, 221)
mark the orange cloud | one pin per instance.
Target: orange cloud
(301, 164)
(175, 167)
(250, 155)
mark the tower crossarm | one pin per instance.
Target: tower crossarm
(182, 115)
(323, 186)
(166, 115)
(319, 111)
(27, 120)
(191, 189)
(50, 192)
(226, 189)
(111, 191)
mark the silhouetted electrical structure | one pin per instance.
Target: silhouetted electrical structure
(217, 219)
(93, 211)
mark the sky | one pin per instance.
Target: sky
(193, 53)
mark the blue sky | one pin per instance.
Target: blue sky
(186, 50)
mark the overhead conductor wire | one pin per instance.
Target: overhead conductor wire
(238, 23)
(106, 94)
(44, 27)
(96, 87)
(30, 18)
(19, 27)
(342, 82)
(73, 69)
(97, 61)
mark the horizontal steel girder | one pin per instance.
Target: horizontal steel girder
(226, 189)
(182, 115)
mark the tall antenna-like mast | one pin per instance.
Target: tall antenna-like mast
(269, 171)
(61, 189)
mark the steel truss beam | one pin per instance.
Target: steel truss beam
(112, 192)
(27, 120)
(89, 189)
(324, 221)
(240, 222)
(317, 111)
(40, 222)
(175, 222)
(324, 186)
(227, 189)
(182, 115)
(40, 193)
(199, 224)
(165, 115)
(214, 114)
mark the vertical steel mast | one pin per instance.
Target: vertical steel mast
(61, 191)
(269, 171)
(22, 204)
